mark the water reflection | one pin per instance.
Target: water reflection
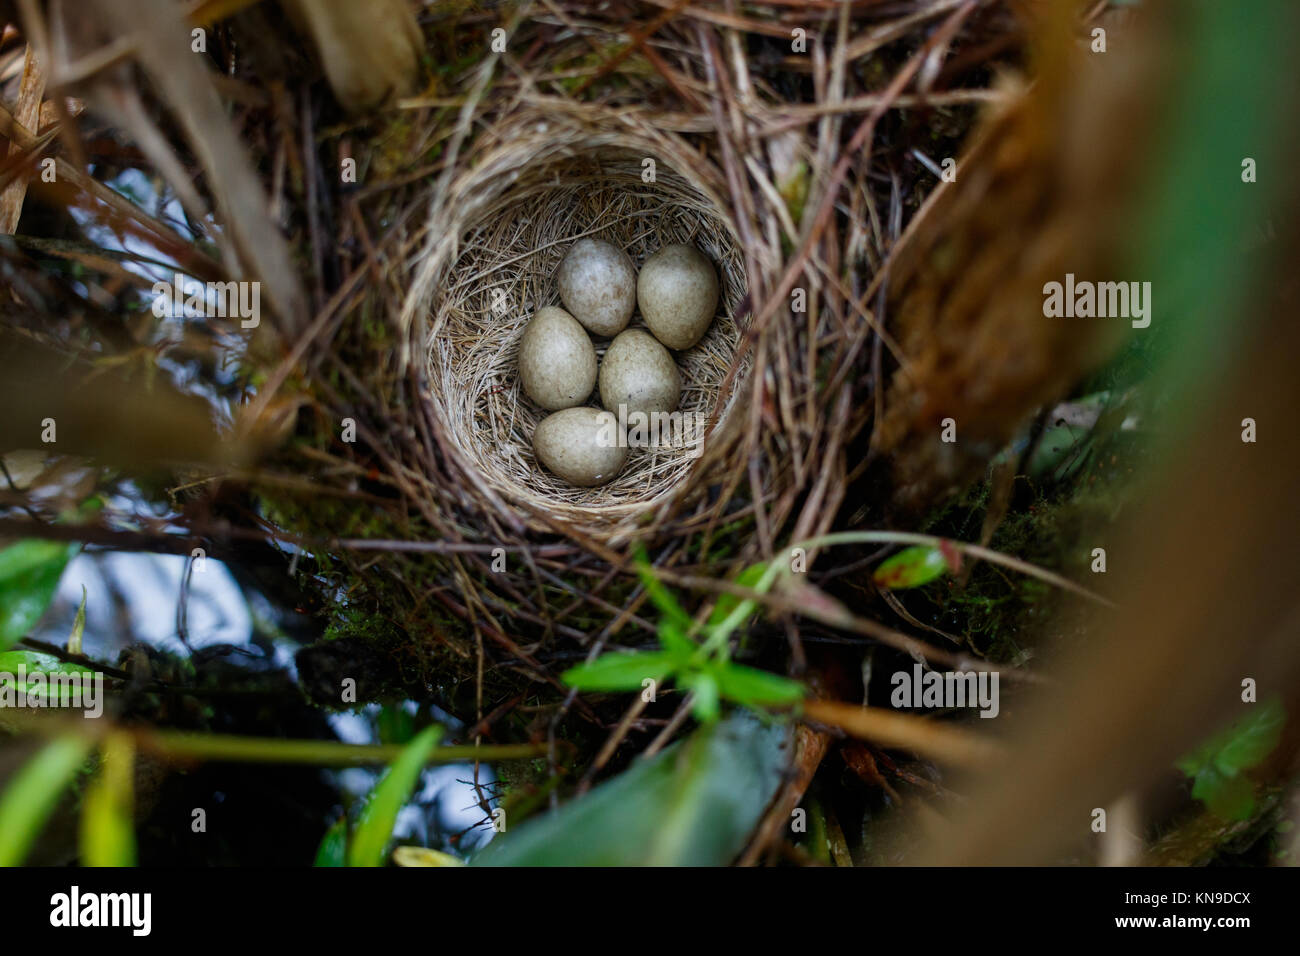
(134, 597)
(446, 811)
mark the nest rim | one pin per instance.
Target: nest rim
(504, 213)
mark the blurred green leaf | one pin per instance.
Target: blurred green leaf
(694, 804)
(660, 595)
(680, 648)
(396, 724)
(818, 841)
(333, 849)
(375, 828)
(1216, 766)
(31, 663)
(1229, 798)
(727, 603)
(78, 625)
(33, 793)
(34, 661)
(1066, 443)
(107, 829)
(29, 576)
(423, 856)
(1060, 452)
(705, 688)
(1252, 739)
(911, 568)
(1242, 745)
(619, 671)
(753, 687)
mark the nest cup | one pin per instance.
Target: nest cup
(495, 245)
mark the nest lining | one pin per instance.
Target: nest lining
(522, 218)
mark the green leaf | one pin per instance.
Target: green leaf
(753, 687)
(78, 625)
(33, 793)
(748, 578)
(818, 841)
(423, 856)
(375, 828)
(911, 568)
(333, 849)
(660, 595)
(31, 663)
(1229, 798)
(680, 648)
(396, 725)
(694, 804)
(1060, 452)
(705, 688)
(1242, 745)
(1217, 765)
(107, 829)
(35, 661)
(619, 671)
(1063, 448)
(29, 576)
(1251, 740)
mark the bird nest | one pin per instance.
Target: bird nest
(496, 242)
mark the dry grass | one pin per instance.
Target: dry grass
(793, 172)
(798, 173)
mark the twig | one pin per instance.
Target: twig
(930, 738)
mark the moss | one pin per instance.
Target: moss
(1008, 615)
(518, 777)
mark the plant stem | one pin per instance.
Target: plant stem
(234, 749)
(973, 550)
(717, 640)
(231, 748)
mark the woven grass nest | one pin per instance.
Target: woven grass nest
(498, 237)
(495, 572)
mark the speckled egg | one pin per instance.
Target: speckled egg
(581, 445)
(640, 373)
(557, 362)
(678, 294)
(598, 286)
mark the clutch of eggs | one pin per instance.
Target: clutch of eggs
(677, 292)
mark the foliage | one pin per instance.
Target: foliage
(33, 793)
(1216, 767)
(423, 856)
(333, 849)
(375, 828)
(704, 669)
(33, 664)
(107, 829)
(912, 567)
(694, 804)
(29, 576)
